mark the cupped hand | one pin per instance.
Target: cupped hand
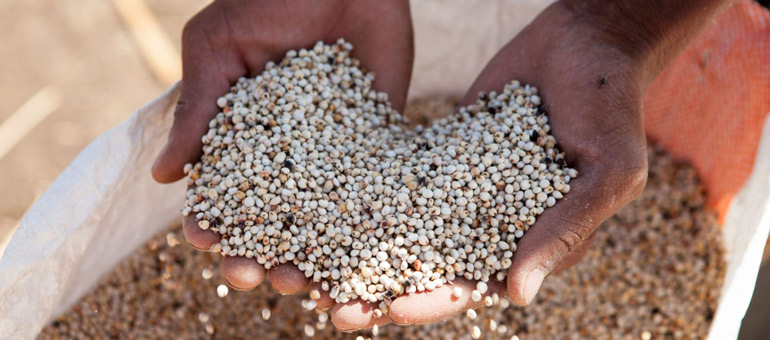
(230, 39)
(592, 92)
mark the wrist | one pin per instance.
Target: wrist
(651, 33)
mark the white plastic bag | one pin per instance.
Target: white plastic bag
(101, 208)
(105, 204)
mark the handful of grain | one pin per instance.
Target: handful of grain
(308, 164)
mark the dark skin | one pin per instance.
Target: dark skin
(229, 39)
(592, 60)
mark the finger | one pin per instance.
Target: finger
(355, 315)
(440, 303)
(242, 273)
(563, 233)
(387, 52)
(287, 279)
(574, 257)
(499, 71)
(209, 66)
(322, 299)
(198, 238)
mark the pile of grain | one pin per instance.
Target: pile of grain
(654, 271)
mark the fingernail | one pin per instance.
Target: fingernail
(231, 284)
(533, 283)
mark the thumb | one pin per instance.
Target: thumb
(208, 71)
(563, 233)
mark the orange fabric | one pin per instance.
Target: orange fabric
(710, 104)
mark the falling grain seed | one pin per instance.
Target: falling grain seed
(222, 291)
(309, 330)
(207, 273)
(266, 314)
